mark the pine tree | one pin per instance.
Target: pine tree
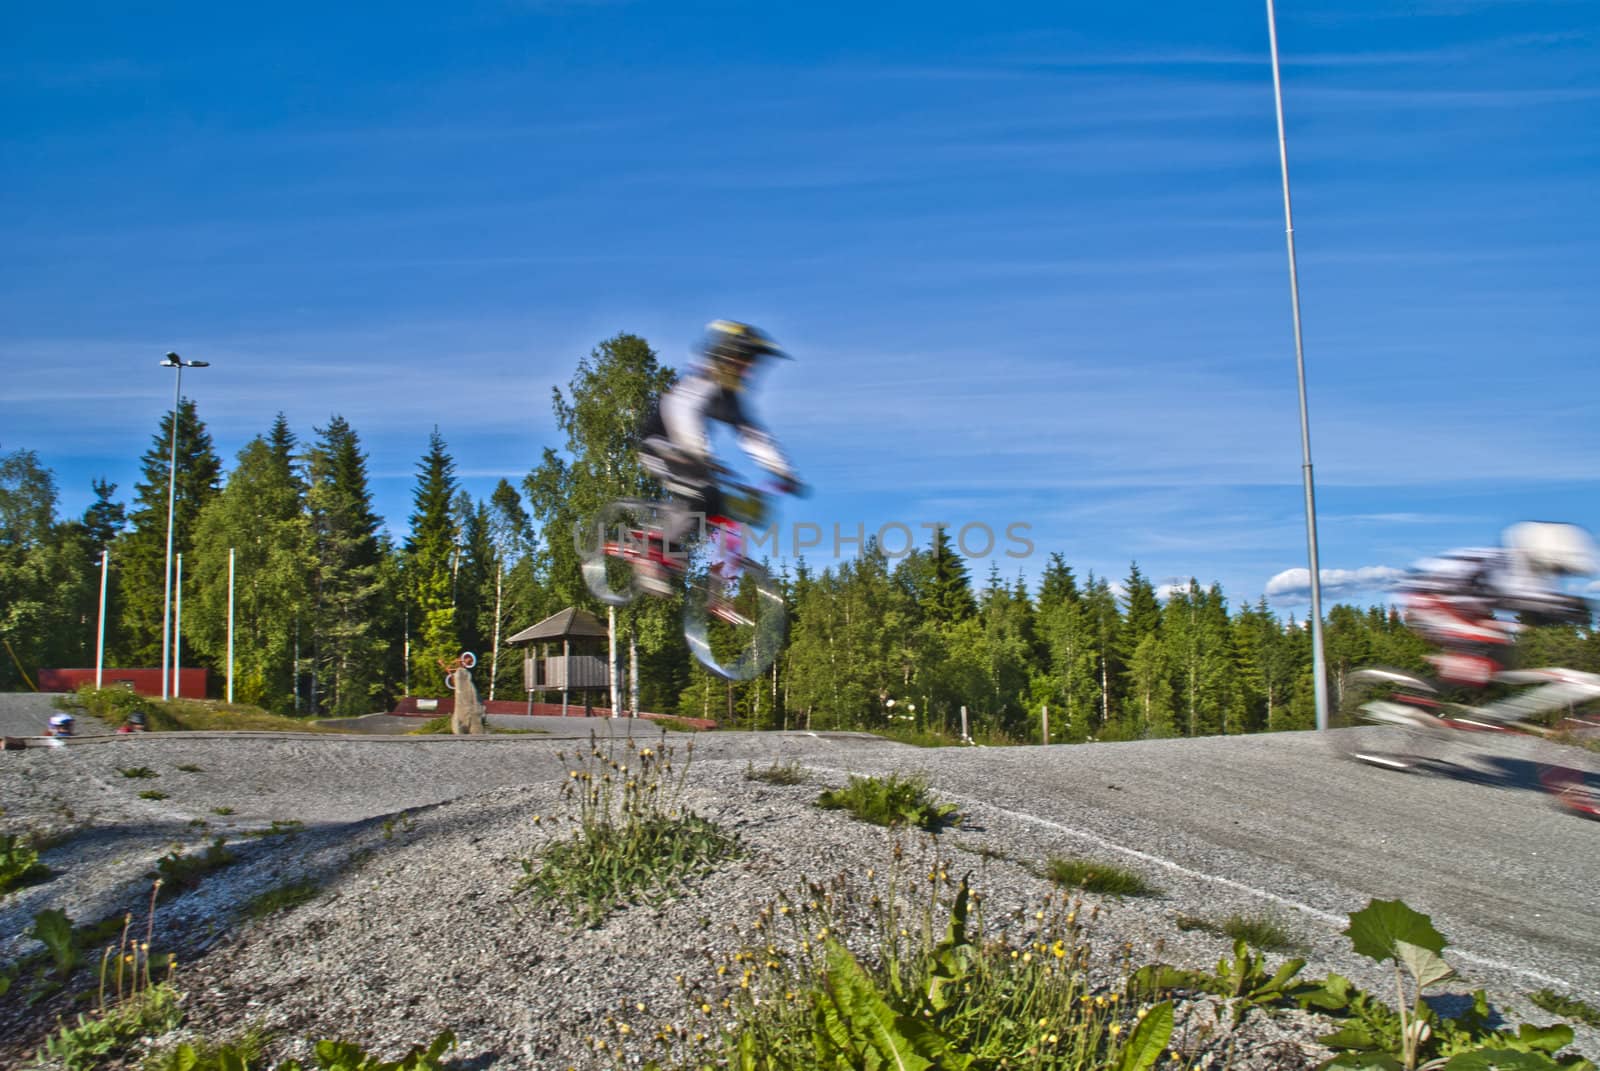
(430, 552)
(141, 551)
(348, 632)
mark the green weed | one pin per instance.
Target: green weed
(633, 840)
(1267, 934)
(242, 1054)
(224, 810)
(131, 1003)
(1244, 980)
(790, 773)
(19, 863)
(282, 898)
(188, 767)
(180, 873)
(1097, 877)
(152, 794)
(137, 772)
(1566, 1007)
(891, 801)
(936, 990)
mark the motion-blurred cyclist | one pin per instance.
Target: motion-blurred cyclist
(1452, 600)
(675, 445)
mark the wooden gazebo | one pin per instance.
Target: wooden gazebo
(580, 666)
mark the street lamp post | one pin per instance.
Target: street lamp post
(172, 360)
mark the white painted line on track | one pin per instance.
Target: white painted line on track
(1216, 879)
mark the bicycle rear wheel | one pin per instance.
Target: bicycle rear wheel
(736, 637)
(1371, 723)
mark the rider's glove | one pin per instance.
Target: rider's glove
(791, 485)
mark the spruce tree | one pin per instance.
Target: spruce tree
(141, 551)
(950, 587)
(430, 552)
(344, 638)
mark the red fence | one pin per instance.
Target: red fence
(192, 683)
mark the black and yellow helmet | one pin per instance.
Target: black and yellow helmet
(729, 343)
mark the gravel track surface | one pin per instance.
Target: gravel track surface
(416, 843)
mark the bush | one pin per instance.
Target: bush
(113, 705)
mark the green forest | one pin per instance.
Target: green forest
(334, 617)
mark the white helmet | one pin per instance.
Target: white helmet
(1548, 547)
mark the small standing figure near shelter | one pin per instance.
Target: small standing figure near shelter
(467, 720)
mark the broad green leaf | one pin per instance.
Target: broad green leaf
(1500, 1060)
(1427, 967)
(1376, 929)
(1551, 1039)
(1363, 1061)
(1350, 1036)
(1148, 1039)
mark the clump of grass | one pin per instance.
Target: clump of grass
(633, 840)
(432, 727)
(179, 873)
(115, 705)
(789, 773)
(1566, 1007)
(224, 810)
(19, 863)
(282, 898)
(188, 767)
(666, 722)
(930, 982)
(137, 772)
(234, 1053)
(152, 794)
(1264, 933)
(280, 828)
(891, 801)
(1093, 876)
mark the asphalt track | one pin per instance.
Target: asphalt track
(1279, 823)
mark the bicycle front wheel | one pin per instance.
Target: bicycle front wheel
(735, 634)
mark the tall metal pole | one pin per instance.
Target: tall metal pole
(172, 494)
(100, 641)
(1319, 665)
(230, 624)
(494, 656)
(177, 633)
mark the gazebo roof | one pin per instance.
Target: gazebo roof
(568, 623)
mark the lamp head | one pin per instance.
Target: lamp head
(172, 360)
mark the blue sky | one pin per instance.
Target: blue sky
(1029, 256)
